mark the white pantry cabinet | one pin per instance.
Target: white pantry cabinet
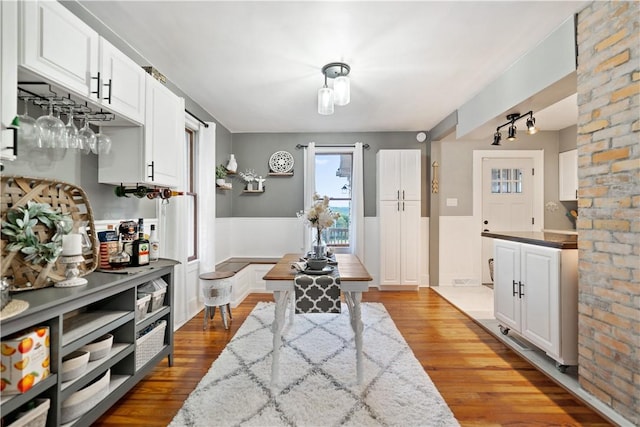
(149, 154)
(568, 175)
(536, 296)
(399, 211)
(58, 47)
(8, 79)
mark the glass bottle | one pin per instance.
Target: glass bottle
(154, 245)
(140, 248)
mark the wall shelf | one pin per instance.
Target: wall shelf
(225, 188)
(253, 191)
(280, 174)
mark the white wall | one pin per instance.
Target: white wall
(273, 237)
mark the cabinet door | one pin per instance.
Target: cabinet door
(8, 78)
(410, 242)
(58, 46)
(506, 274)
(568, 175)
(123, 83)
(389, 175)
(164, 128)
(390, 242)
(410, 170)
(540, 302)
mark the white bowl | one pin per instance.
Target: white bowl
(74, 365)
(84, 399)
(99, 348)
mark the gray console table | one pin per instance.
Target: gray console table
(77, 316)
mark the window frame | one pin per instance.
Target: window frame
(191, 171)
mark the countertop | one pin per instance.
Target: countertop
(540, 238)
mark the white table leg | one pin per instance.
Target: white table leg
(282, 299)
(353, 298)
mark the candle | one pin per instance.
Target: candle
(72, 244)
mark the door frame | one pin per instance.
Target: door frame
(538, 191)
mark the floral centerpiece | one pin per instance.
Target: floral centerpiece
(319, 216)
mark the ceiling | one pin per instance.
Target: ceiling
(255, 66)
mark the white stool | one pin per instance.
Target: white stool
(217, 293)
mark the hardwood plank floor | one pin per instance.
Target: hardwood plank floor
(483, 382)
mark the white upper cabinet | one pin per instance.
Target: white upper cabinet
(122, 83)
(401, 169)
(568, 175)
(151, 154)
(8, 78)
(58, 46)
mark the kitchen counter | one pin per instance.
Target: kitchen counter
(540, 238)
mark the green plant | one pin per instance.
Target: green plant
(221, 171)
(19, 231)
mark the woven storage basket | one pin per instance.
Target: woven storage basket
(150, 344)
(17, 191)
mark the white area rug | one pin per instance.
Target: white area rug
(317, 384)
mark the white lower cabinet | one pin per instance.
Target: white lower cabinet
(536, 296)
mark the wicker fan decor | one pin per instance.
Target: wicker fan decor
(17, 191)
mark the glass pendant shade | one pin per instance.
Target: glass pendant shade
(325, 101)
(342, 90)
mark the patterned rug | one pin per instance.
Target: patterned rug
(317, 385)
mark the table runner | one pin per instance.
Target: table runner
(317, 294)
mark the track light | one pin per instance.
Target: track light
(496, 138)
(512, 119)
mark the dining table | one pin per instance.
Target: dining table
(354, 280)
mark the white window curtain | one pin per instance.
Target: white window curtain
(309, 188)
(356, 237)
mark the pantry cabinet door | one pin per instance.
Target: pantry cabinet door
(57, 46)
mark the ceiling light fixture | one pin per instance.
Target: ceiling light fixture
(512, 119)
(340, 94)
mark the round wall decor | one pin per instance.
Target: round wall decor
(281, 162)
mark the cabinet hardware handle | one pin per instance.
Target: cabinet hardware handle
(152, 166)
(576, 194)
(97, 91)
(108, 98)
(403, 206)
(513, 288)
(398, 195)
(402, 194)
(486, 229)
(398, 206)
(520, 287)
(13, 148)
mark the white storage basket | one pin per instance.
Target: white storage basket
(150, 344)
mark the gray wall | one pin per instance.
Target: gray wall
(568, 139)
(283, 196)
(456, 174)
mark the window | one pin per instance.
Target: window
(191, 196)
(506, 181)
(333, 179)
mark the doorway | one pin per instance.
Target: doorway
(507, 201)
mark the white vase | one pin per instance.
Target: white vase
(232, 166)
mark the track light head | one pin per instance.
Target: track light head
(496, 138)
(531, 125)
(512, 133)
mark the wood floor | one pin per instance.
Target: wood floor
(483, 382)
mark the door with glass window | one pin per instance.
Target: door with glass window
(507, 200)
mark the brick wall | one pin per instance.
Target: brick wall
(609, 198)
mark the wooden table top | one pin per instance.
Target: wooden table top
(349, 266)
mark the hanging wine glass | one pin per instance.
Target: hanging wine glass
(61, 136)
(50, 127)
(103, 143)
(87, 137)
(71, 132)
(28, 131)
